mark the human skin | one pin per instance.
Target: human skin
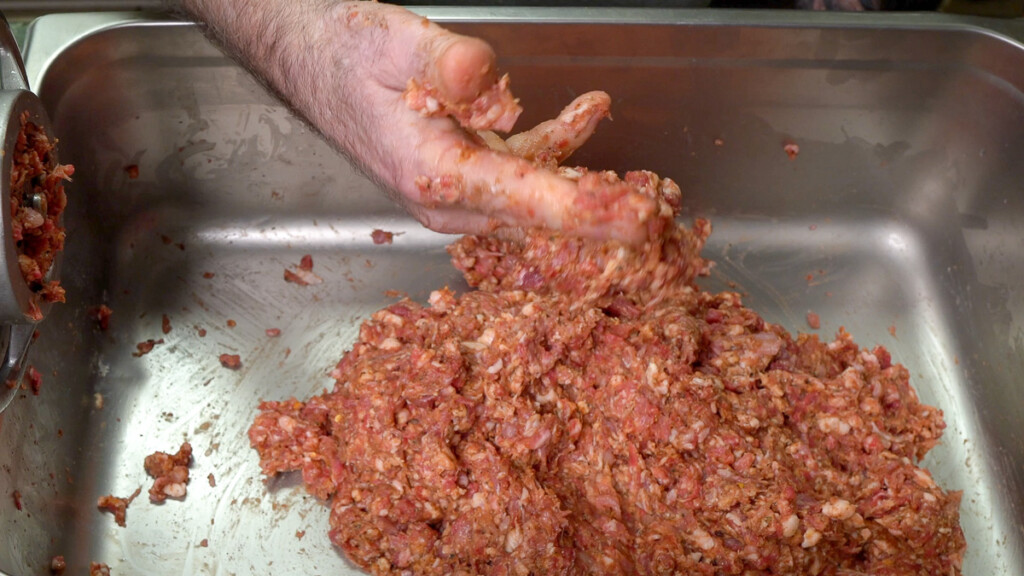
(345, 66)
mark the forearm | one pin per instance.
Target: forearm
(283, 42)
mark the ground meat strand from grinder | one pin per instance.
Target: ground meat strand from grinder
(643, 427)
(36, 229)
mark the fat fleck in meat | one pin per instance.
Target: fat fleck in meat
(588, 410)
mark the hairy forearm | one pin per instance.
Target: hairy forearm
(283, 42)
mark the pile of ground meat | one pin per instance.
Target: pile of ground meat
(588, 410)
(37, 202)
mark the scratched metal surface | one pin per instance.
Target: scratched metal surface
(902, 219)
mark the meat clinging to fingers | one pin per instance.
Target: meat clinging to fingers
(404, 98)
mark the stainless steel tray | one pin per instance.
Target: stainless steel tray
(901, 219)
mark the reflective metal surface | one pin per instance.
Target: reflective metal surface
(16, 324)
(902, 219)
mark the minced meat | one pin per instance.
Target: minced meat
(588, 410)
(37, 202)
(169, 472)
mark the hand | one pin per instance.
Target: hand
(346, 66)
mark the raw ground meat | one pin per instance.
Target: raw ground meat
(494, 109)
(302, 274)
(146, 346)
(117, 506)
(36, 229)
(231, 361)
(382, 236)
(101, 314)
(58, 565)
(170, 472)
(588, 410)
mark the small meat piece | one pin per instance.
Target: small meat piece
(208, 275)
(132, 171)
(813, 320)
(33, 379)
(117, 506)
(494, 109)
(170, 473)
(382, 236)
(165, 324)
(204, 543)
(213, 481)
(231, 323)
(792, 150)
(231, 361)
(145, 347)
(16, 498)
(98, 569)
(303, 273)
(101, 315)
(273, 332)
(58, 565)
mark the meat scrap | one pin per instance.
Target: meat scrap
(165, 324)
(16, 498)
(303, 273)
(145, 347)
(792, 150)
(37, 201)
(117, 506)
(813, 320)
(589, 410)
(98, 569)
(170, 472)
(382, 236)
(101, 315)
(32, 380)
(58, 565)
(231, 361)
(494, 109)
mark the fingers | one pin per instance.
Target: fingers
(446, 74)
(454, 220)
(550, 143)
(514, 192)
(464, 67)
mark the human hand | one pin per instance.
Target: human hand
(346, 66)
